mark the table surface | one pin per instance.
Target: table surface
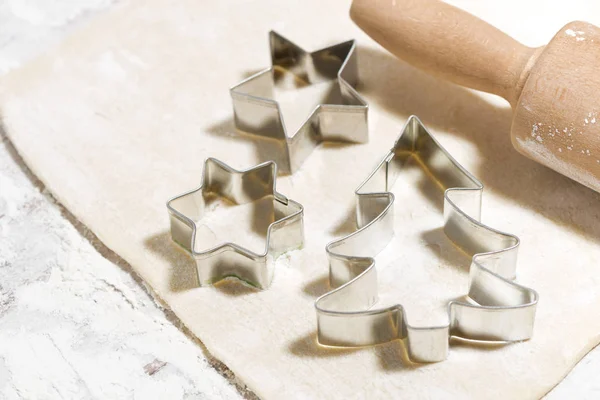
(54, 271)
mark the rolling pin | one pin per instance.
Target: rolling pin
(554, 90)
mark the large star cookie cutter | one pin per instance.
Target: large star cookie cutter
(226, 260)
(257, 112)
(497, 309)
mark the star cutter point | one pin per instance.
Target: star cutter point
(226, 260)
(499, 309)
(257, 112)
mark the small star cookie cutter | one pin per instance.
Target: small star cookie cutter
(257, 112)
(226, 260)
(497, 309)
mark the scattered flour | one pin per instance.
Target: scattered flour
(590, 119)
(568, 169)
(576, 34)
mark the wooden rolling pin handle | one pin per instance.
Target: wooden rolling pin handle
(448, 42)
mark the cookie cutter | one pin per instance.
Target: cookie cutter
(497, 308)
(257, 112)
(226, 260)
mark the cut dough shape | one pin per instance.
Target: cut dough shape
(122, 115)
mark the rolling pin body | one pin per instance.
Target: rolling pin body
(554, 90)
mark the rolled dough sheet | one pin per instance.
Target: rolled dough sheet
(122, 115)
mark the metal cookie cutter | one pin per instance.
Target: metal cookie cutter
(226, 260)
(497, 309)
(256, 111)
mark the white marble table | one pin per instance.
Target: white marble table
(74, 322)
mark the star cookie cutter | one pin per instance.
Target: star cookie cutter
(285, 233)
(257, 112)
(498, 309)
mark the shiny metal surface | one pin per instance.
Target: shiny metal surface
(285, 233)
(496, 308)
(342, 117)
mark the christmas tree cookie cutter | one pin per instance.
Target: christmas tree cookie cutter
(497, 309)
